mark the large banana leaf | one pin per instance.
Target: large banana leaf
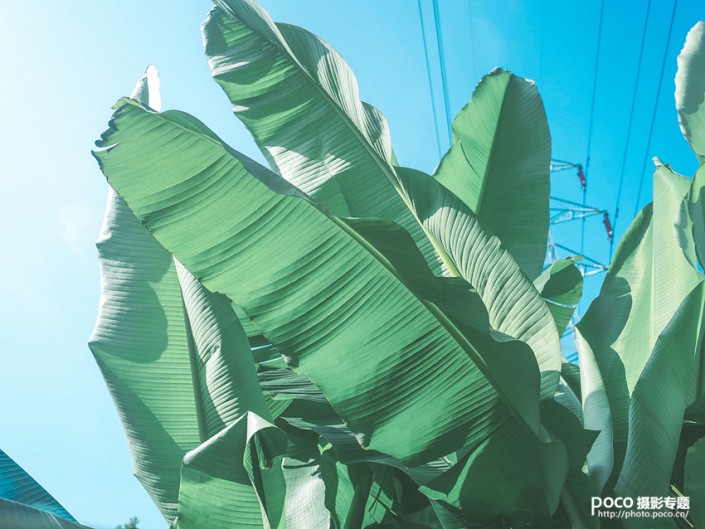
(300, 100)
(178, 365)
(25, 504)
(690, 89)
(328, 300)
(644, 332)
(499, 164)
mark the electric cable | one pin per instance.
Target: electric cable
(629, 127)
(430, 81)
(442, 61)
(653, 115)
(592, 115)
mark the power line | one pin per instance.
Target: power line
(653, 115)
(592, 113)
(594, 83)
(430, 81)
(629, 126)
(442, 61)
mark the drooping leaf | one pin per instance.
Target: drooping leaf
(370, 495)
(305, 488)
(502, 477)
(300, 100)
(231, 479)
(499, 165)
(690, 89)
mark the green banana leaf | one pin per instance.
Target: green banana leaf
(499, 165)
(364, 495)
(300, 100)
(223, 484)
(25, 504)
(176, 360)
(512, 475)
(642, 336)
(306, 489)
(337, 468)
(502, 476)
(603, 411)
(690, 88)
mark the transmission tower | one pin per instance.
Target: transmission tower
(563, 211)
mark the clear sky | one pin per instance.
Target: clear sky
(64, 64)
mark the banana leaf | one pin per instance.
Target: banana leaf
(690, 88)
(178, 365)
(499, 165)
(642, 337)
(300, 100)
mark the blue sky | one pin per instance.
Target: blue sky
(65, 64)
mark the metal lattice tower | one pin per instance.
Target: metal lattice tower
(563, 211)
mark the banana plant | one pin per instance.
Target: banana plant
(341, 341)
(641, 339)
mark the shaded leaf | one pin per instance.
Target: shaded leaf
(175, 358)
